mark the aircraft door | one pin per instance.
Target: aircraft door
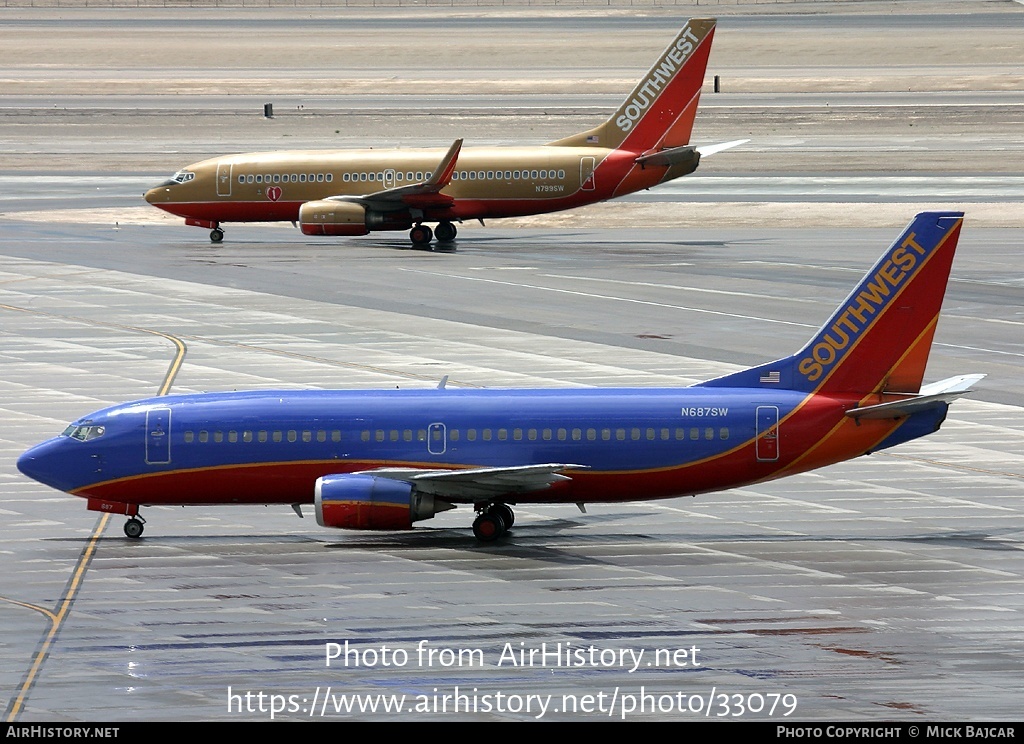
(158, 436)
(766, 446)
(436, 439)
(389, 178)
(587, 166)
(224, 178)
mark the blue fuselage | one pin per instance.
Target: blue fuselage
(271, 446)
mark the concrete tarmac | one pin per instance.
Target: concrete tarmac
(886, 588)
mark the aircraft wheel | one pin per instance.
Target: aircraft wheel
(133, 528)
(488, 527)
(505, 512)
(216, 235)
(421, 235)
(446, 232)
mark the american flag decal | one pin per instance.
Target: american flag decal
(772, 376)
(592, 139)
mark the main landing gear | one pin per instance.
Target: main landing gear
(133, 527)
(216, 235)
(421, 235)
(493, 522)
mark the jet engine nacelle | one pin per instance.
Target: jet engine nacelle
(366, 502)
(330, 217)
(327, 217)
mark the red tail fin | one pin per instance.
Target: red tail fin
(659, 113)
(879, 338)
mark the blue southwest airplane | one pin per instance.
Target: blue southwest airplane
(383, 459)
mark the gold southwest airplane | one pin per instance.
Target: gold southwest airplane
(353, 192)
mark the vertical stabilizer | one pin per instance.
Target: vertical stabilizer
(879, 337)
(659, 113)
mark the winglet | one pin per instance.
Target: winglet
(443, 173)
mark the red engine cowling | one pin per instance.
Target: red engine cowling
(366, 502)
(327, 217)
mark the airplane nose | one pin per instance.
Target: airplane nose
(47, 463)
(31, 463)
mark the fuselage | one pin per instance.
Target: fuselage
(486, 183)
(630, 444)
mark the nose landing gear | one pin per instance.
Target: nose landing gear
(133, 527)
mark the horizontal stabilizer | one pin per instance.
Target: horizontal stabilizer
(709, 150)
(943, 391)
(670, 157)
(476, 483)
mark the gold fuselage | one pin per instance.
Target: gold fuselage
(487, 182)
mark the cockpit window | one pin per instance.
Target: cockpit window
(83, 432)
(183, 176)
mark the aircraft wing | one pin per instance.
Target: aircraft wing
(418, 195)
(479, 483)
